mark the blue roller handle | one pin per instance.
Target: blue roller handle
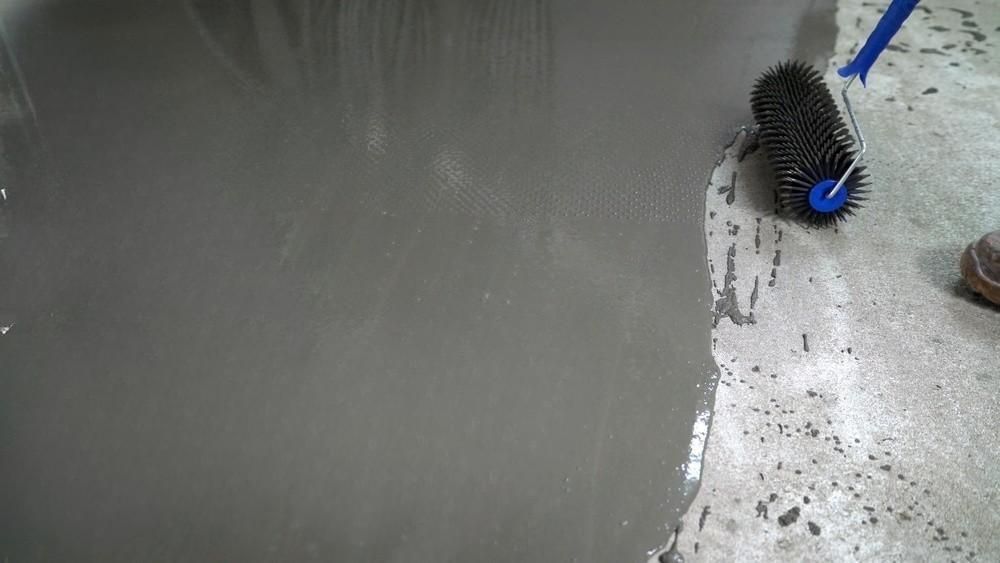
(887, 27)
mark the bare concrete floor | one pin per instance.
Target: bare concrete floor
(856, 416)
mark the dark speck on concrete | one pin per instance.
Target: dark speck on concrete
(939, 28)
(931, 90)
(897, 48)
(928, 51)
(813, 528)
(761, 509)
(704, 517)
(805, 342)
(963, 13)
(789, 517)
(970, 23)
(727, 305)
(975, 34)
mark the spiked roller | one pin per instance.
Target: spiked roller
(820, 180)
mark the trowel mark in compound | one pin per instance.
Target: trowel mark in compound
(727, 305)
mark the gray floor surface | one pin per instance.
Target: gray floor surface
(362, 281)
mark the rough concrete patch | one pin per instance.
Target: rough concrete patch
(880, 433)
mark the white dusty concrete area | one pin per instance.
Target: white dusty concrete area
(857, 415)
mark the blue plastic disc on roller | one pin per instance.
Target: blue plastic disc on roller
(822, 204)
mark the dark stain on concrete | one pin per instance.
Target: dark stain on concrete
(729, 190)
(761, 509)
(976, 35)
(727, 305)
(789, 517)
(704, 517)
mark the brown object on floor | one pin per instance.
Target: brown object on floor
(981, 266)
